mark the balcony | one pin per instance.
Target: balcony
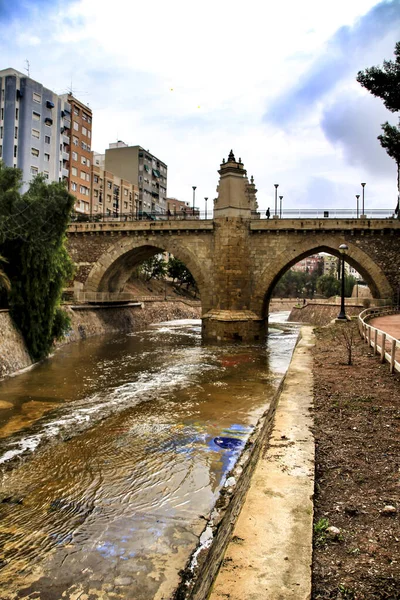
(66, 140)
(67, 123)
(65, 172)
(65, 155)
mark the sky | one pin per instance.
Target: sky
(189, 81)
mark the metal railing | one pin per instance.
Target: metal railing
(198, 215)
(382, 343)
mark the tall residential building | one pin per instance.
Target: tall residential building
(77, 125)
(30, 127)
(149, 173)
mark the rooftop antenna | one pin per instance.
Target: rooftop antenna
(27, 68)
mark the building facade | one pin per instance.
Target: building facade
(111, 195)
(76, 131)
(30, 136)
(146, 171)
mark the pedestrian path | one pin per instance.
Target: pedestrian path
(269, 555)
(389, 324)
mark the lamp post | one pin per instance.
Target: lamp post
(363, 190)
(358, 197)
(276, 185)
(280, 206)
(342, 315)
(194, 195)
(205, 199)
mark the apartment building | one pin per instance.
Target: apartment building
(112, 196)
(76, 151)
(30, 127)
(143, 169)
(308, 264)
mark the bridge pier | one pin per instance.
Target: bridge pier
(233, 325)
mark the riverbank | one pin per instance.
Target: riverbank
(357, 438)
(88, 321)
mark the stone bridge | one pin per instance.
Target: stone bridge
(235, 258)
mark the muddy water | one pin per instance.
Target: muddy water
(151, 423)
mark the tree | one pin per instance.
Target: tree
(33, 233)
(385, 83)
(328, 286)
(154, 267)
(178, 271)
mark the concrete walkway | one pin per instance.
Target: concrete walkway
(270, 553)
(389, 324)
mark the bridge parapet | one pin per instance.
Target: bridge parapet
(142, 226)
(325, 225)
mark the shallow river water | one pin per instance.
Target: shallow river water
(112, 453)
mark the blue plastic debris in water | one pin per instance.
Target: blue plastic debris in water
(228, 443)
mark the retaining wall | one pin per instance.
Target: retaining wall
(321, 314)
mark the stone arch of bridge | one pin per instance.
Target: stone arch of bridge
(113, 269)
(265, 280)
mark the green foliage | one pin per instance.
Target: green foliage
(328, 286)
(385, 83)
(32, 228)
(153, 268)
(320, 535)
(178, 272)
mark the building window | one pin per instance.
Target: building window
(37, 98)
(108, 198)
(89, 135)
(74, 171)
(74, 156)
(83, 175)
(1, 151)
(15, 151)
(47, 157)
(34, 170)
(96, 193)
(95, 179)
(109, 185)
(73, 186)
(35, 152)
(84, 130)
(125, 192)
(46, 174)
(16, 114)
(76, 111)
(35, 116)
(88, 162)
(47, 139)
(76, 126)
(87, 177)
(83, 160)
(36, 133)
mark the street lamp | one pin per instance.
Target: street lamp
(276, 200)
(194, 195)
(358, 197)
(342, 315)
(363, 190)
(205, 199)
(280, 207)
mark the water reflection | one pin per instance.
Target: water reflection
(155, 421)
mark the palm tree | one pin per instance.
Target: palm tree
(4, 281)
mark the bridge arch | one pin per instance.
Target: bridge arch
(266, 279)
(114, 267)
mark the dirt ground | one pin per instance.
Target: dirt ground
(357, 432)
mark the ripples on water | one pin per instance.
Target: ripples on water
(156, 419)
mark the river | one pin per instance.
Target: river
(112, 454)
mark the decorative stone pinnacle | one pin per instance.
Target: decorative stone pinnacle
(240, 160)
(231, 157)
(223, 161)
(252, 179)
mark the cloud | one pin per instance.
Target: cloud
(352, 122)
(344, 55)
(11, 10)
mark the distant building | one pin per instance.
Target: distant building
(112, 196)
(308, 264)
(30, 134)
(137, 165)
(179, 208)
(330, 265)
